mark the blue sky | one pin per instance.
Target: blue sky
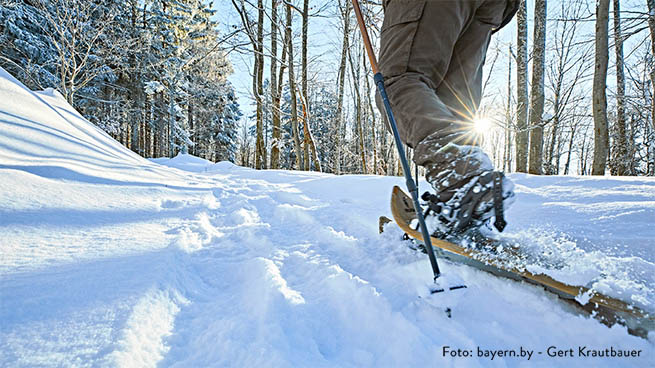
(325, 46)
(324, 40)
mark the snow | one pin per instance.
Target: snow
(109, 259)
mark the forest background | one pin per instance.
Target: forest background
(568, 86)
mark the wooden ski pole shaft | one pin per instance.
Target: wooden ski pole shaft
(411, 185)
(365, 37)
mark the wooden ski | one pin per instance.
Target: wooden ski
(608, 309)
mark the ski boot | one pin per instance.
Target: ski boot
(468, 190)
(463, 210)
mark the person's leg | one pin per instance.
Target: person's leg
(442, 102)
(417, 43)
(461, 88)
(449, 168)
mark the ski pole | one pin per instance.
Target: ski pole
(411, 185)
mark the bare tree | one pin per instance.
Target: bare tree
(507, 152)
(309, 145)
(356, 88)
(537, 93)
(308, 139)
(260, 154)
(256, 38)
(303, 63)
(292, 91)
(345, 13)
(573, 129)
(619, 163)
(522, 89)
(78, 28)
(566, 72)
(651, 27)
(275, 95)
(601, 135)
(244, 146)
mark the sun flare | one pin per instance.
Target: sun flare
(482, 125)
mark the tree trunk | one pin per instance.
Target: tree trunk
(601, 136)
(551, 146)
(568, 156)
(259, 112)
(280, 83)
(341, 84)
(171, 118)
(584, 154)
(374, 165)
(537, 94)
(556, 119)
(305, 23)
(309, 140)
(651, 26)
(191, 127)
(507, 152)
(260, 149)
(522, 89)
(292, 90)
(275, 99)
(620, 165)
(358, 109)
(558, 155)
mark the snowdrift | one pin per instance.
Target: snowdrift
(109, 259)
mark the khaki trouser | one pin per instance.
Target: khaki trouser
(431, 55)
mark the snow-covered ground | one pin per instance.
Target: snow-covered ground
(112, 260)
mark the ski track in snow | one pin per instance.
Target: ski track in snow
(112, 260)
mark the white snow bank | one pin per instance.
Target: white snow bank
(112, 260)
(194, 164)
(185, 162)
(43, 135)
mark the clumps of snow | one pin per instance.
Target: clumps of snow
(293, 195)
(208, 201)
(584, 298)
(51, 92)
(206, 227)
(273, 275)
(153, 87)
(558, 255)
(142, 343)
(188, 240)
(627, 278)
(292, 213)
(211, 202)
(339, 235)
(194, 236)
(246, 217)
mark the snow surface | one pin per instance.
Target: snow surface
(112, 260)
